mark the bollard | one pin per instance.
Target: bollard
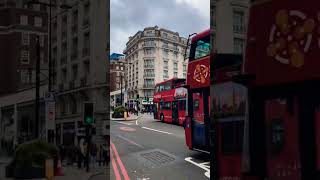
(49, 169)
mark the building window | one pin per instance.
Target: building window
(87, 67)
(184, 68)
(86, 44)
(149, 51)
(25, 76)
(165, 65)
(25, 38)
(42, 60)
(38, 21)
(25, 59)
(238, 45)
(165, 74)
(184, 75)
(41, 39)
(64, 75)
(75, 17)
(238, 22)
(165, 35)
(175, 56)
(149, 73)
(24, 20)
(165, 53)
(149, 63)
(75, 72)
(175, 74)
(175, 66)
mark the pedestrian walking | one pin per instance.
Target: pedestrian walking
(105, 155)
(80, 156)
(100, 154)
(93, 155)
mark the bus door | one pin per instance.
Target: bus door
(155, 110)
(175, 115)
(182, 111)
(282, 139)
(200, 121)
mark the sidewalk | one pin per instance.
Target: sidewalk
(69, 172)
(72, 172)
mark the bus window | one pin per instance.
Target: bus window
(231, 136)
(200, 49)
(167, 87)
(196, 104)
(277, 135)
(161, 88)
(182, 104)
(167, 105)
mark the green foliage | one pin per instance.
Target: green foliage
(34, 153)
(119, 112)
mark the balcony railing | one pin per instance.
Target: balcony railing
(149, 45)
(165, 46)
(148, 86)
(149, 75)
(149, 66)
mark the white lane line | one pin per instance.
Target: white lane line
(129, 141)
(156, 130)
(200, 165)
(137, 122)
(124, 123)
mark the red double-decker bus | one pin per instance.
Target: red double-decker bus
(210, 85)
(198, 85)
(170, 101)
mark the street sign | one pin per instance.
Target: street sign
(50, 114)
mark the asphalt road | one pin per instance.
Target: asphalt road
(147, 149)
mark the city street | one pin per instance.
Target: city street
(148, 149)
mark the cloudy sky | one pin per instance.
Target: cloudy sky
(130, 16)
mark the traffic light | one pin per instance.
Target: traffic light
(88, 118)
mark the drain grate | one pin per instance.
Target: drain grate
(157, 158)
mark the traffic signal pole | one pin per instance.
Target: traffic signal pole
(37, 103)
(88, 137)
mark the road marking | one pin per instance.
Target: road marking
(205, 166)
(115, 168)
(128, 129)
(123, 169)
(128, 140)
(137, 122)
(156, 130)
(124, 123)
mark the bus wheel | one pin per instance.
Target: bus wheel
(161, 118)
